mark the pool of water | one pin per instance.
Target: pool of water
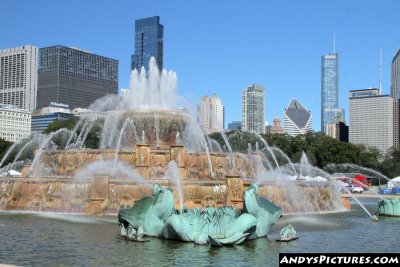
(41, 239)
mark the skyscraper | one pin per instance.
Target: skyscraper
(149, 42)
(18, 77)
(74, 77)
(395, 93)
(211, 114)
(297, 120)
(371, 119)
(329, 89)
(253, 108)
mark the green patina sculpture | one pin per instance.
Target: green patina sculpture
(288, 233)
(389, 207)
(148, 215)
(156, 216)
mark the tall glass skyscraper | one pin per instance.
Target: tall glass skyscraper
(395, 94)
(329, 89)
(149, 42)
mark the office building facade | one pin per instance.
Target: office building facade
(74, 77)
(395, 93)
(337, 115)
(297, 120)
(149, 42)
(15, 123)
(18, 77)
(235, 125)
(41, 118)
(253, 108)
(211, 114)
(329, 89)
(41, 122)
(339, 131)
(371, 119)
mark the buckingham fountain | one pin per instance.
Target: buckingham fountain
(161, 174)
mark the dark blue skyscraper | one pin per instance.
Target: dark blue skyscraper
(149, 34)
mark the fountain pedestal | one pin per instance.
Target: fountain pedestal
(346, 202)
(178, 155)
(98, 195)
(142, 155)
(25, 170)
(235, 191)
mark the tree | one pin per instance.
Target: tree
(4, 146)
(59, 124)
(390, 166)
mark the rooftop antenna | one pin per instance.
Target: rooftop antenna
(380, 72)
(334, 42)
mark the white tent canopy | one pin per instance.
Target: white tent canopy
(11, 173)
(394, 182)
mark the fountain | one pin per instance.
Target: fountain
(145, 139)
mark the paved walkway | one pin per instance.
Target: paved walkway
(367, 194)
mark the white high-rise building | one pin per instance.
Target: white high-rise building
(211, 114)
(18, 77)
(395, 94)
(15, 123)
(371, 119)
(297, 120)
(253, 108)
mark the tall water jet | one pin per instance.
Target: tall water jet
(78, 141)
(8, 153)
(287, 158)
(109, 129)
(177, 138)
(143, 138)
(356, 167)
(157, 128)
(30, 142)
(127, 121)
(228, 146)
(269, 149)
(208, 155)
(214, 145)
(40, 150)
(358, 202)
(73, 133)
(85, 134)
(153, 90)
(173, 174)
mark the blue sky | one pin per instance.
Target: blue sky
(224, 46)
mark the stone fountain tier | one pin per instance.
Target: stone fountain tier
(150, 162)
(104, 195)
(159, 127)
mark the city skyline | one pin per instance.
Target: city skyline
(225, 55)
